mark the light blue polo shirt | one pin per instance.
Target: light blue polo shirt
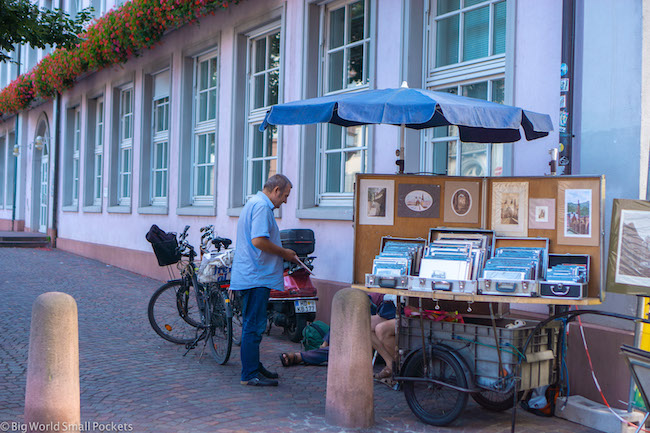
(251, 266)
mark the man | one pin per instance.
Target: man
(257, 268)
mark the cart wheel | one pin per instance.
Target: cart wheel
(431, 403)
(496, 401)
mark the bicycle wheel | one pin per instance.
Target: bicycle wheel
(432, 403)
(220, 335)
(173, 313)
(496, 401)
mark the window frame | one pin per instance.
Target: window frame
(76, 152)
(255, 116)
(71, 157)
(98, 152)
(4, 162)
(488, 69)
(159, 138)
(125, 146)
(205, 128)
(344, 198)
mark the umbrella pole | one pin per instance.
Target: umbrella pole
(400, 152)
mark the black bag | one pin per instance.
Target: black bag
(165, 246)
(387, 310)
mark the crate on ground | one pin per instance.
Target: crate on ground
(475, 343)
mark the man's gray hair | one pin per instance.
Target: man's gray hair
(279, 180)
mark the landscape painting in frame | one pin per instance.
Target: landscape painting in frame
(578, 213)
(418, 200)
(628, 261)
(633, 264)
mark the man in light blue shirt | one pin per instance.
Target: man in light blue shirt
(257, 268)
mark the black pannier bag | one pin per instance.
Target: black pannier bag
(165, 246)
(299, 240)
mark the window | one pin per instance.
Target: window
(160, 139)
(467, 58)
(76, 143)
(125, 150)
(74, 7)
(71, 158)
(204, 130)
(94, 152)
(343, 151)
(99, 7)
(263, 91)
(3, 170)
(11, 170)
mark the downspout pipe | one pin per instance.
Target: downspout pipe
(55, 181)
(17, 124)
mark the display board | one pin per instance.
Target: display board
(567, 210)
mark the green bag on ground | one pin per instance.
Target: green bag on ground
(314, 334)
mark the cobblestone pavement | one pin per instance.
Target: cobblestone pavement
(130, 375)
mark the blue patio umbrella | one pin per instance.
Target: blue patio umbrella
(478, 121)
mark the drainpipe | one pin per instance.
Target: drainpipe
(55, 181)
(566, 88)
(13, 210)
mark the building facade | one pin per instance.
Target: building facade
(172, 137)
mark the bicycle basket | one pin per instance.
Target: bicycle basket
(165, 246)
(166, 252)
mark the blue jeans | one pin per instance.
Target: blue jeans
(254, 302)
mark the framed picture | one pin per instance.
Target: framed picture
(541, 213)
(510, 208)
(628, 263)
(376, 202)
(418, 200)
(461, 202)
(578, 213)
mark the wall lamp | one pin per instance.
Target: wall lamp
(38, 143)
(16, 150)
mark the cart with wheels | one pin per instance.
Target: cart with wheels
(442, 364)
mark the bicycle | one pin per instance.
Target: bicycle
(206, 315)
(208, 237)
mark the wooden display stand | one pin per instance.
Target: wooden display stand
(368, 235)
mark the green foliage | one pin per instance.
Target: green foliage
(22, 22)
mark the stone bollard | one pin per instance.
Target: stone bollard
(52, 392)
(349, 399)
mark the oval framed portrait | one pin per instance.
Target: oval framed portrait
(461, 202)
(418, 200)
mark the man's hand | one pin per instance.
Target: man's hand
(265, 244)
(290, 255)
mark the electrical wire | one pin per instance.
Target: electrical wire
(593, 375)
(569, 316)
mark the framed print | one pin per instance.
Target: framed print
(628, 263)
(376, 202)
(541, 213)
(418, 200)
(578, 213)
(510, 208)
(461, 202)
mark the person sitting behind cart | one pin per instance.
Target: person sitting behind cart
(309, 357)
(382, 337)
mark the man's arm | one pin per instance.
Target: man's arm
(263, 243)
